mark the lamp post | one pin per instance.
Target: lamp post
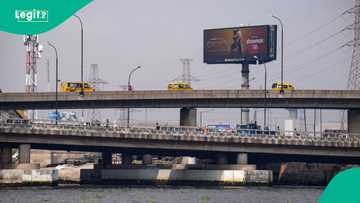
(130, 89)
(282, 53)
(82, 55)
(56, 84)
(201, 114)
(265, 79)
(265, 91)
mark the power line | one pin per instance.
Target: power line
(303, 66)
(317, 43)
(221, 76)
(353, 82)
(322, 70)
(304, 36)
(213, 73)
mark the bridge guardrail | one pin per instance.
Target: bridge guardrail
(304, 136)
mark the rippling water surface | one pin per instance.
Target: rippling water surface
(89, 194)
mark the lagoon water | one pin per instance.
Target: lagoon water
(116, 194)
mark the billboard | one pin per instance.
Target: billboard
(240, 44)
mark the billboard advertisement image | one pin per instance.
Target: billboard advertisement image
(240, 44)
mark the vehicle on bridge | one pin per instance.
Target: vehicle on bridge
(219, 128)
(252, 129)
(76, 87)
(335, 133)
(285, 86)
(179, 86)
(21, 113)
(19, 121)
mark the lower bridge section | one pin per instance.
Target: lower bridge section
(169, 176)
(223, 148)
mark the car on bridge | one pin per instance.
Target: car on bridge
(76, 87)
(285, 86)
(252, 129)
(219, 128)
(179, 86)
(335, 133)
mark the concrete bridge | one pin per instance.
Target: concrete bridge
(188, 101)
(225, 147)
(314, 99)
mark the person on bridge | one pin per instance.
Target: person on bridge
(157, 126)
(107, 123)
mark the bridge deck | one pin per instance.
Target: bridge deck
(190, 140)
(328, 99)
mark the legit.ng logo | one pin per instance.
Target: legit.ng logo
(32, 16)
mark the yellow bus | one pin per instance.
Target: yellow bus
(75, 87)
(286, 86)
(179, 86)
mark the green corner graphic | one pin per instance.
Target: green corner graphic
(36, 16)
(343, 188)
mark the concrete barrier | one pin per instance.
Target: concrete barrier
(28, 166)
(29, 177)
(168, 176)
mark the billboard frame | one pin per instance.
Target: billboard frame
(271, 46)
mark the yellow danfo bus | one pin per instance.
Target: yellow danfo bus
(179, 86)
(75, 87)
(286, 86)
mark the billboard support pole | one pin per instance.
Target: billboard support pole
(245, 86)
(282, 53)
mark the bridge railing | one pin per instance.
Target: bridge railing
(184, 131)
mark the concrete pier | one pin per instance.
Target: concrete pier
(147, 159)
(125, 159)
(188, 117)
(29, 177)
(354, 121)
(5, 158)
(106, 158)
(245, 112)
(177, 177)
(242, 158)
(221, 159)
(24, 153)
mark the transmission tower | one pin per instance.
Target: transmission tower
(186, 72)
(96, 82)
(33, 53)
(354, 73)
(122, 117)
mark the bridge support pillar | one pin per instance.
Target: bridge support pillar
(125, 159)
(24, 153)
(5, 158)
(106, 158)
(242, 158)
(188, 117)
(354, 121)
(245, 113)
(147, 159)
(221, 159)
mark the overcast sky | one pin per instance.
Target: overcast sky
(120, 35)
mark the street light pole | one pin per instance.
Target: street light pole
(56, 84)
(130, 89)
(82, 55)
(265, 78)
(201, 114)
(282, 54)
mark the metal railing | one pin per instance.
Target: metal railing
(79, 127)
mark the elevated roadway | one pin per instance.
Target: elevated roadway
(180, 139)
(319, 99)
